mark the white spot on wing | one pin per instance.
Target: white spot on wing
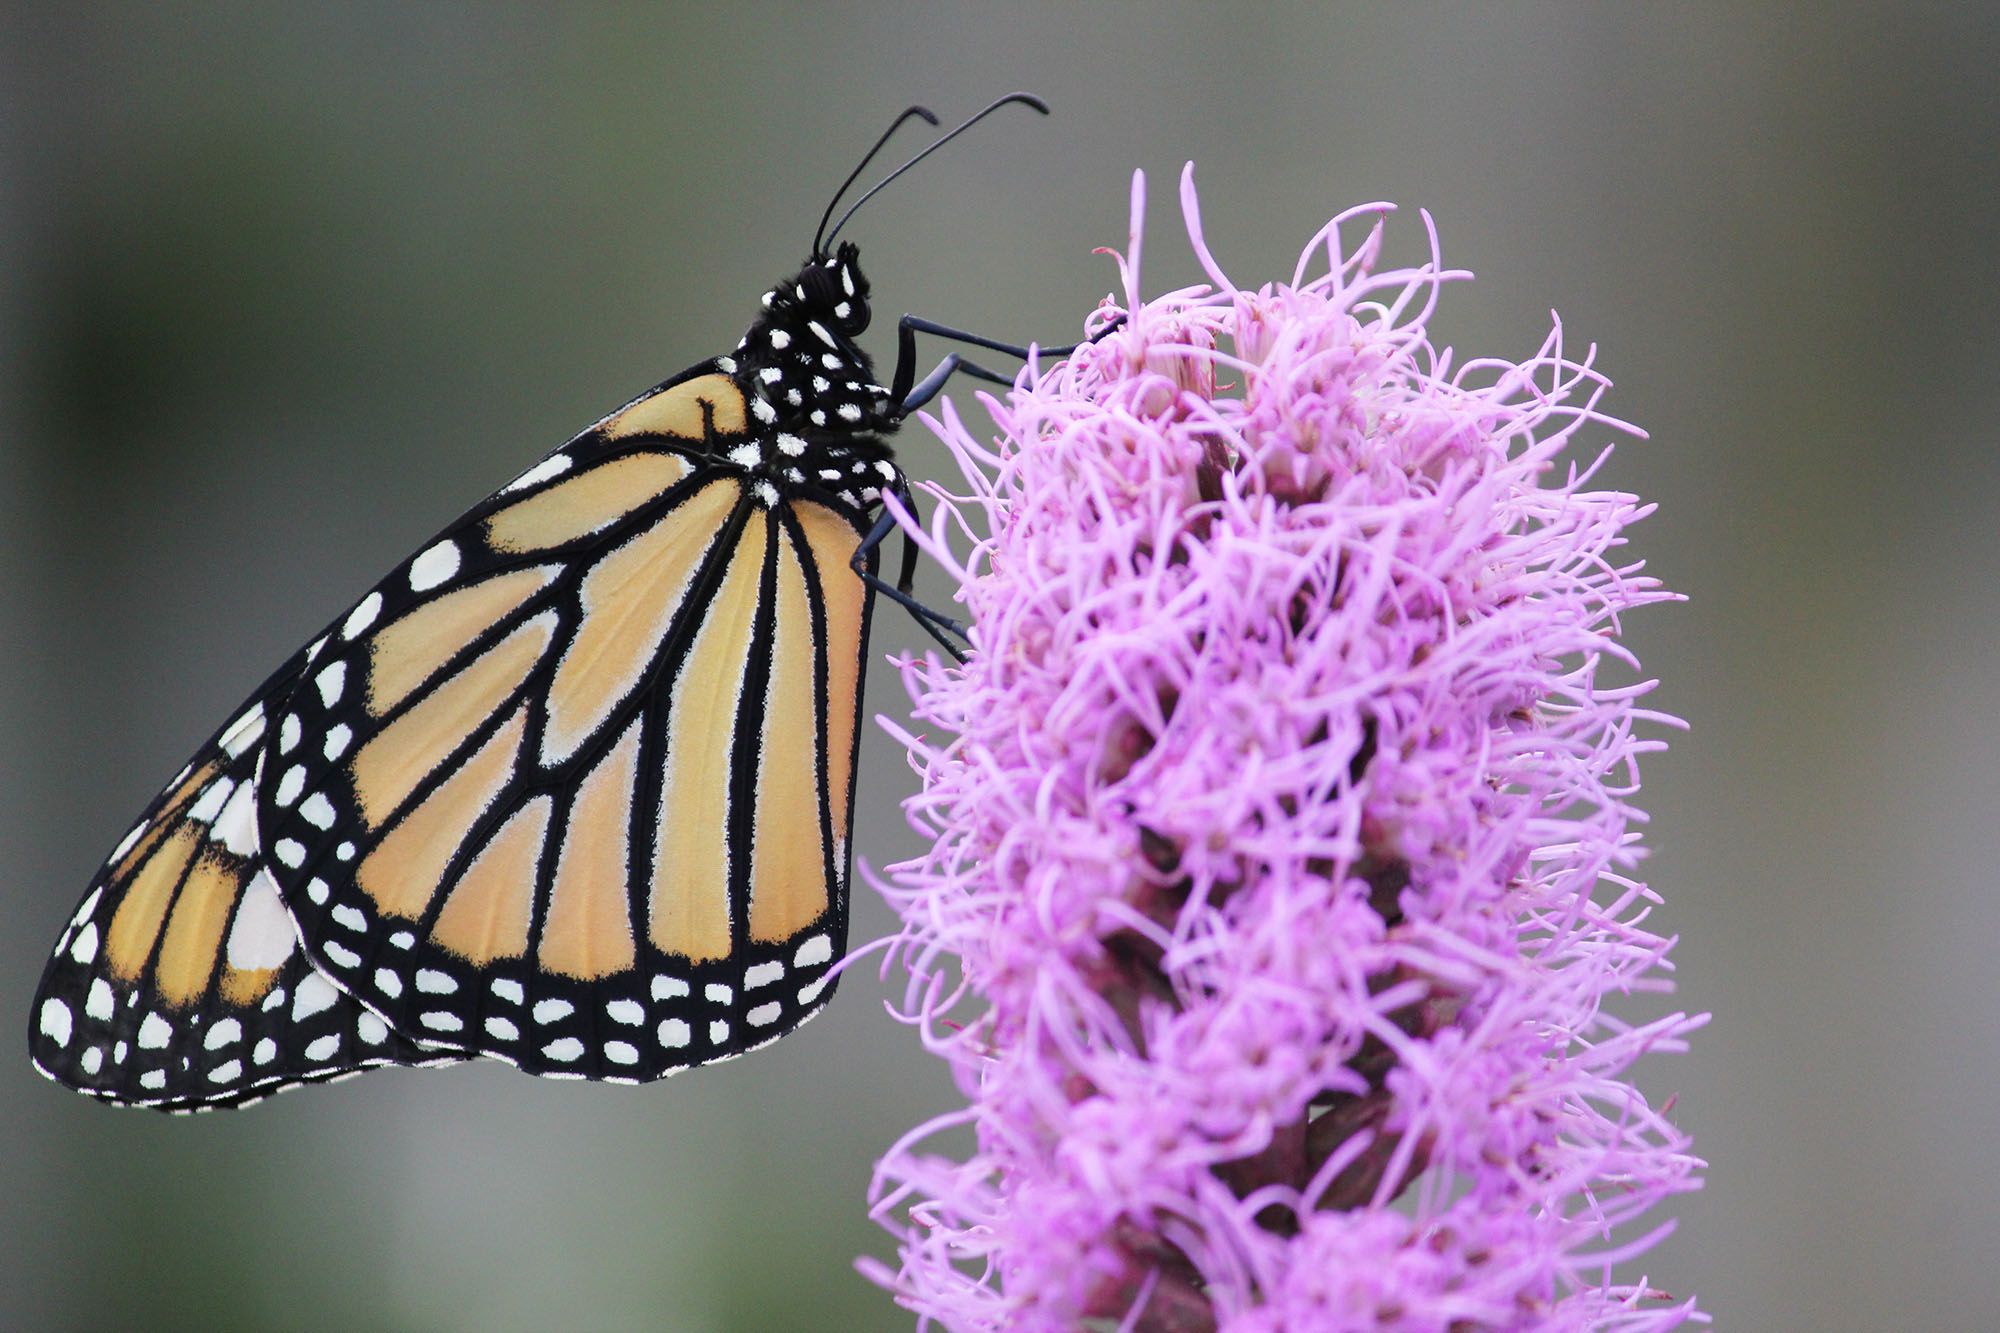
(101, 1004)
(508, 990)
(288, 734)
(153, 1080)
(629, 1012)
(350, 916)
(808, 994)
(210, 803)
(718, 1033)
(93, 1060)
(440, 1020)
(261, 936)
(266, 1051)
(503, 1028)
(371, 1029)
(674, 1032)
(552, 466)
(321, 1049)
(362, 616)
(227, 1072)
(764, 1014)
(563, 1048)
(154, 1033)
(124, 846)
(763, 974)
(433, 982)
(244, 731)
(317, 811)
(337, 741)
(717, 993)
(315, 994)
(342, 955)
(236, 827)
(84, 947)
(813, 952)
(222, 1034)
(388, 982)
(621, 1052)
(434, 566)
(331, 680)
(551, 1011)
(669, 988)
(56, 1022)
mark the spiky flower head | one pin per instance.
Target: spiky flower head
(1281, 835)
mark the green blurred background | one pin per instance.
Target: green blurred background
(286, 287)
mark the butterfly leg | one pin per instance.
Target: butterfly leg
(934, 623)
(913, 394)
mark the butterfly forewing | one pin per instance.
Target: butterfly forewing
(179, 983)
(572, 786)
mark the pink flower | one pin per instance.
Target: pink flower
(1280, 878)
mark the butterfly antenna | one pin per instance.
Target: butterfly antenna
(924, 112)
(1025, 99)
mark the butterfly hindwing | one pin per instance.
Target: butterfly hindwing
(179, 982)
(572, 786)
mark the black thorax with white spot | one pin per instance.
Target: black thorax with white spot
(817, 414)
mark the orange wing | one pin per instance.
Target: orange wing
(572, 787)
(179, 982)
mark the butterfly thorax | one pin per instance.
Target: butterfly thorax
(818, 411)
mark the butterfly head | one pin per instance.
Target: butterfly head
(801, 359)
(833, 286)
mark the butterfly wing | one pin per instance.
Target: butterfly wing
(572, 787)
(179, 982)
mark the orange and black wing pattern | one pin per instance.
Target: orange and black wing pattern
(571, 788)
(179, 982)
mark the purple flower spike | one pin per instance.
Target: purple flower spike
(1282, 846)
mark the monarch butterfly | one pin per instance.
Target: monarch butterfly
(571, 788)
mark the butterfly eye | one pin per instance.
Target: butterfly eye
(828, 290)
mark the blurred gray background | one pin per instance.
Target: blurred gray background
(284, 289)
